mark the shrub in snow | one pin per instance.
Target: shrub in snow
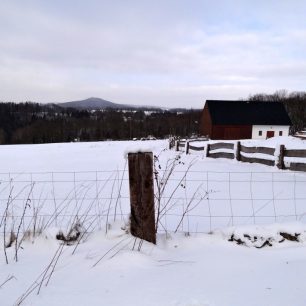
(264, 236)
(73, 234)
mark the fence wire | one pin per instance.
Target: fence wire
(42, 200)
(191, 201)
(238, 198)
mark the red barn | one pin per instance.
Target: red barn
(244, 120)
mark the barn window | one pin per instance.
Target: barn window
(280, 133)
(259, 133)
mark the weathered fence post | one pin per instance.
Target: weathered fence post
(142, 195)
(187, 147)
(171, 143)
(177, 143)
(280, 163)
(238, 149)
(207, 150)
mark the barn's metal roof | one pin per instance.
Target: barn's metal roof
(224, 112)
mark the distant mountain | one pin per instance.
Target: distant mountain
(97, 104)
(93, 104)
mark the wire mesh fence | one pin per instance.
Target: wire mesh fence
(61, 199)
(191, 201)
(218, 199)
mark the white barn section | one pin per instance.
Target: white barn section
(267, 131)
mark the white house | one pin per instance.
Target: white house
(268, 131)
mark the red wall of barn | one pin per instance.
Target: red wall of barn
(205, 122)
(230, 132)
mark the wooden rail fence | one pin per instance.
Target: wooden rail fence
(256, 150)
(244, 153)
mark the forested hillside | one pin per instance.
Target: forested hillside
(37, 123)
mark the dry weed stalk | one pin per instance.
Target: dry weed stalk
(45, 275)
(162, 182)
(109, 207)
(5, 216)
(114, 247)
(191, 205)
(27, 204)
(9, 278)
(119, 191)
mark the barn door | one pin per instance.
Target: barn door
(270, 134)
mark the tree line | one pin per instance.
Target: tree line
(294, 102)
(32, 123)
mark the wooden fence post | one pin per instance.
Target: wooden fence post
(238, 149)
(280, 163)
(207, 150)
(177, 143)
(187, 147)
(171, 143)
(142, 196)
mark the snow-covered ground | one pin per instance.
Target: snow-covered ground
(190, 267)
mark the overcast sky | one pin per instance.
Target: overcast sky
(167, 53)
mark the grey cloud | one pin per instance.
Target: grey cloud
(162, 53)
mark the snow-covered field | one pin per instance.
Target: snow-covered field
(56, 185)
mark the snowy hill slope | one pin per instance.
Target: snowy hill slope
(190, 267)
